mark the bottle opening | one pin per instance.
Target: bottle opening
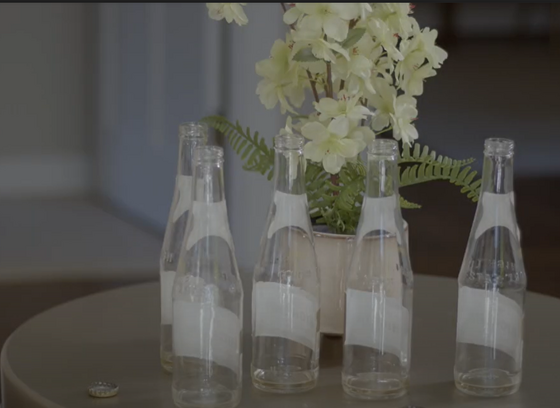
(193, 130)
(498, 147)
(288, 141)
(383, 147)
(209, 154)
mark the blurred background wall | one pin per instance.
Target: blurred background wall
(92, 96)
(43, 74)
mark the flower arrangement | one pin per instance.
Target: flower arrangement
(364, 64)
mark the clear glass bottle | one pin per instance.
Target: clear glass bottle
(286, 289)
(379, 282)
(207, 297)
(191, 135)
(492, 286)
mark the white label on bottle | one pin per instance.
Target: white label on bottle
(209, 219)
(184, 184)
(376, 321)
(497, 211)
(206, 332)
(166, 283)
(376, 208)
(285, 311)
(487, 318)
(291, 211)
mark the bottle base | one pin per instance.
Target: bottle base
(290, 380)
(219, 397)
(487, 382)
(374, 386)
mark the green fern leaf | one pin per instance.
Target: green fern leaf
(449, 170)
(408, 204)
(425, 155)
(252, 149)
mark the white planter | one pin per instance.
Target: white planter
(333, 256)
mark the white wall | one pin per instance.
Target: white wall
(42, 100)
(249, 194)
(153, 70)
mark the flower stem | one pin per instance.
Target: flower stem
(334, 180)
(385, 130)
(313, 87)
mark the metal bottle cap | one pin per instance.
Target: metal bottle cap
(102, 389)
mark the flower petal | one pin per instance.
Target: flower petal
(380, 121)
(291, 16)
(238, 14)
(333, 163)
(327, 106)
(339, 127)
(336, 47)
(347, 147)
(313, 151)
(315, 131)
(359, 112)
(335, 27)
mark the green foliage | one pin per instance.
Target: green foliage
(336, 200)
(253, 150)
(425, 165)
(354, 35)
(305, 55)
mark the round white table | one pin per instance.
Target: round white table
(114, 336)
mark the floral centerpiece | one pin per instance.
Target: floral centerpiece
(364, 64)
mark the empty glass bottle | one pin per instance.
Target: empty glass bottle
(492, 286)
(191, 135)
(207, 297)
(286, 283)
(379, 283)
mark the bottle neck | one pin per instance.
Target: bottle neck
(289, 171)
(497, 174)
(209, 182)
(186, 153)
(382, 176)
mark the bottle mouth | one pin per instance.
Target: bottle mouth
(208, 154)
(383, 147)
(499, 147)
(288, 141)
(193, 130)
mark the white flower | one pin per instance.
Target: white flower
(413, 69)
(412, 74)
(331, 145)
(356, 70)
(333, 18)
(229, 11)
(365, 10)
(404, 113)
(310, 35)
(384, 103)
(427, 43)
(396, 16)
(398, 111)
(347, 110)
(280, 79)
(385, 36)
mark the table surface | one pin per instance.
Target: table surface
(114, 336)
